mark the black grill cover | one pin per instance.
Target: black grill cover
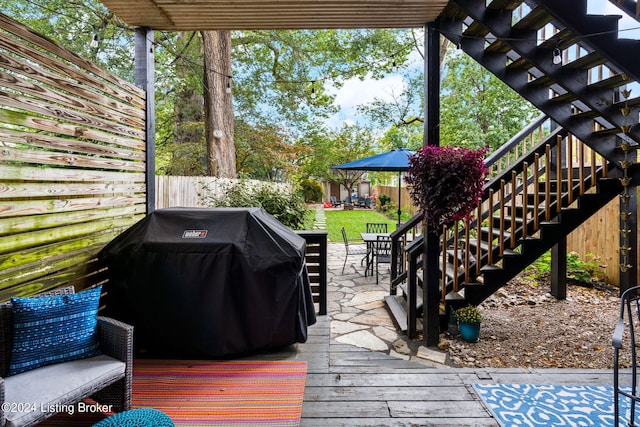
(213, 282)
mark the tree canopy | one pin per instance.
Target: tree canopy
(283, 88)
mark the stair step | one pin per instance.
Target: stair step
(397, 307)
(508, 219)
(534, 20)
(586, 62)
(495, 232)
(405, 291)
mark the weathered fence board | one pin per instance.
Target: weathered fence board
(195, 191)
(72, 163)
(600, 236)
(68, 144)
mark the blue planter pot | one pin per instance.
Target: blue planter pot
(469, 332)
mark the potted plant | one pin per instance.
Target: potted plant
(469, 320)
(446, 183)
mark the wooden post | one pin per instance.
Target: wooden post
(559, 269)
(431, 289)
(430, 269)
(144, 78)
(559, 251)
(629, 278)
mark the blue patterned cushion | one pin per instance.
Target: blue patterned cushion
(54, 329)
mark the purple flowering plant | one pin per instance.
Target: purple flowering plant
(446, 183)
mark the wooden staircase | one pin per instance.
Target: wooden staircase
(552, 176)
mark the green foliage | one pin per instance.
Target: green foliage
(541, 266)
(587, 270)
(477, 109)
(330, 148)
(388, 207)
(384, 200)
(265, 152)
(186, 159)
(279, 69)
(469, 314)
(311, 190)
(402, 117)
(583, 270)
(288, 207)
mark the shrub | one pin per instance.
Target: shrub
(286, 206)
(384, 200)
(588, 270)
(311, 190)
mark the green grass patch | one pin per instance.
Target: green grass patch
(354, 222)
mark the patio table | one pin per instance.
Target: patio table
(370, 239)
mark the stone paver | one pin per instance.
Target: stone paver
(359, 316)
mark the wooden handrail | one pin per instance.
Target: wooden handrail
(530, 176)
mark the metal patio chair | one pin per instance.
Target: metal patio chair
(351, 249)
(624, 343)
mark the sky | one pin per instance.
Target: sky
(356, 92)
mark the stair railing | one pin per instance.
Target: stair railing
(536, 189)
(399, 255)
(524, 141)
(498, 161)
(516, 201)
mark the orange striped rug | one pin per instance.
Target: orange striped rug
(216, 393)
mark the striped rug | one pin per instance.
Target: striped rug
(216, 393)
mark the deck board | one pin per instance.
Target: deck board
(348, 386)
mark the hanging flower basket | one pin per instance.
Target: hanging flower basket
(446, 183)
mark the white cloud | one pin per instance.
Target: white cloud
(356, 92)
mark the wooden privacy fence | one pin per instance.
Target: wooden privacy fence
(600, 236)
(195, 191)
(72, 162)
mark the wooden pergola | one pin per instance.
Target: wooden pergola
(177, 15)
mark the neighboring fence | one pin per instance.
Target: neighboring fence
(72, 162)
(599, 235)
(193, 191)
(392, 192)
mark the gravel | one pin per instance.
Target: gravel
(524, 326)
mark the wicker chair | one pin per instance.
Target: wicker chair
(625, 382)
(110, 386)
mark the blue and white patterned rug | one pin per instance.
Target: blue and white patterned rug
(551, 405)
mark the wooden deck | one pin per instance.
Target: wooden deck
(349, 386)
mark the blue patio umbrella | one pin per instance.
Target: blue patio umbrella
(392, 161)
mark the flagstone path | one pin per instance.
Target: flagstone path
(359, 316)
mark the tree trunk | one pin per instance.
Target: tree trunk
(221, 153)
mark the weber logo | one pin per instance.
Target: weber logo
(194, 234)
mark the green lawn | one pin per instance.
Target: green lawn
(354, 222)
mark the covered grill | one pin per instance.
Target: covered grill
(212, 282)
